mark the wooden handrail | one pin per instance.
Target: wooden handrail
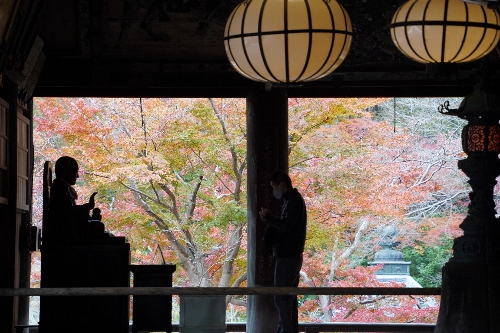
(343, 327)
(239, 327)
(163, 291)
(319, 327)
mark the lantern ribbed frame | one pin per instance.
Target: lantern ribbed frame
(445, 31)
(287, 41)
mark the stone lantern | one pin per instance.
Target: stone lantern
(394, 267)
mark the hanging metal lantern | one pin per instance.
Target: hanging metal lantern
(481, 140)
(481, 136)
(445, 31)
(287, 41)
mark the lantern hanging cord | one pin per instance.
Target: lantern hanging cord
(143, 125)
(394, 114)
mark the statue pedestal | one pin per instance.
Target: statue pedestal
(101, 262)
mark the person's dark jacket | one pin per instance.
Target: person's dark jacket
(286, 234)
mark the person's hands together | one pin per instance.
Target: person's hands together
(263, 212)
(92, 201)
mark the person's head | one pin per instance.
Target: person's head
(280, 182)
(67, 169)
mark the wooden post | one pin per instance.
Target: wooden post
(267, 151)
(152, 313)
(10, 220)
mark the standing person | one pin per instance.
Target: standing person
(286, 236)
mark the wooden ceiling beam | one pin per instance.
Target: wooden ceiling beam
(83, 78)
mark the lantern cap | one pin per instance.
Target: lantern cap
(481, 105)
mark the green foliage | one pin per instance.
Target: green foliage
(427, 261)
(364, 262)
(232, 213)
(339, 112)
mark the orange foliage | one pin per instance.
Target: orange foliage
(356, 174)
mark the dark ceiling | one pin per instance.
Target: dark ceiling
(175, 48)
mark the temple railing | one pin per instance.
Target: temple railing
(313, 327)
(164, 291)
(267, 291)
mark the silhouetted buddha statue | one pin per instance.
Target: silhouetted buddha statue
(67, 220)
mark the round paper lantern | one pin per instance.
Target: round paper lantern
(287, 41)
(445, 31)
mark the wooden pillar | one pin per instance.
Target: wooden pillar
(267, 151)
(10, 221)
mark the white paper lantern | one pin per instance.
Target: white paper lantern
(445, 31)
(287, 41)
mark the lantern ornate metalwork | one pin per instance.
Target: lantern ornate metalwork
(481, 139)
(285, 41)
(445, 31)
(481, 136)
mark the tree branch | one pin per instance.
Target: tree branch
(233, 248)
(348, 251)
(135, 191)
(154, 190)
(324, 300)
(239, 280)
(181, 250)
(215, 174)
(232, 150)
(438, 203)
(422, 179)
(192, 199)
(172, 197)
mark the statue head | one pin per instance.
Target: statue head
(67, 169)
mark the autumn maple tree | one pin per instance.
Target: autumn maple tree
(362, 176)
(170, 174)
(171, 177)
